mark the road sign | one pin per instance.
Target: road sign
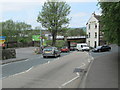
(2, 41)
(36, 37)
(2, 37)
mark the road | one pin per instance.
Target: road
(103, 71)
(58, 73)
(21, 66)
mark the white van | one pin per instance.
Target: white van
(82, 47)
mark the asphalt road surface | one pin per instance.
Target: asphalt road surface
(103, 71)
(21, 66)
(58, 73)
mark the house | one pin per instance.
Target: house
(93, 30)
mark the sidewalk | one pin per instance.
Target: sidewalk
(21, 54)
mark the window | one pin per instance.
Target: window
(95, 26)
(89, 35)
(95, 44)
(89, 43)
(95, 34)
(89, 26)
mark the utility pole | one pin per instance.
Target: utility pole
(40, 38)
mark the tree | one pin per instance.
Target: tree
(8, 30)
(54, 17)
(76, 32)
(110, 20)
(14, 31)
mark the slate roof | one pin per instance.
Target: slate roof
(97, 17)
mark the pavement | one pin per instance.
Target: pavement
(21, 54)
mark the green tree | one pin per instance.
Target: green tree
(110, 20)
(54, 17)
(8, 30)
(15, 31)
(76, 32)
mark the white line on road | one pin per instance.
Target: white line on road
(18, 73)
(89, 60)
(85, 77)
(16, 62)
(48, 62)
(78, 75)
(83, 64)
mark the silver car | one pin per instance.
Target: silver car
(50, 51)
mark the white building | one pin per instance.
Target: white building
(93, 31)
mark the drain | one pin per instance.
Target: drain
(79, 70)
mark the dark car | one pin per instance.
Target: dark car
(65, 49)
(102, 48)
(50, 51)
(72, 48)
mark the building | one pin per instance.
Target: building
(93, 30)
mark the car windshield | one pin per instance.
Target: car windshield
(99, 47)
(84, 45)
(64, 47)
(48, 49)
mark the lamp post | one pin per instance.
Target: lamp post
(40, 38)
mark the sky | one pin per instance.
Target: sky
(28, 10)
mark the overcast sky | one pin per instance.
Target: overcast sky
(28, 10)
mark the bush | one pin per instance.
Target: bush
(60, 43)
(8, 53)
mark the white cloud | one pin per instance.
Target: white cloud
(23, 1)
(46, 0)
(15, 6)
(80, 14)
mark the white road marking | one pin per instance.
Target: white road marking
(48, 62)
(15, 62)
(83, 64)
(18, 73)
(78, 75)
(89, 60)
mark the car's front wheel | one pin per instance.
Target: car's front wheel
(99, 50)
(44, 56)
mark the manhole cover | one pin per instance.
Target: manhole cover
(78, 70)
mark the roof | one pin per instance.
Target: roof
(97, 17)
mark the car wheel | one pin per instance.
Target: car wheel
(4, 57)
(99, 50)
(44, 56)
(59, 55)
(55, 55)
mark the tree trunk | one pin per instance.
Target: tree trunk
(53, 39)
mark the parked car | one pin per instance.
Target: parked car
(102, 48)
(72, 48)
(50, 51)
(82, 47)
(64, 49)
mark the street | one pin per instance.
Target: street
(59, 44)
(60, 72)
(103, 71)
(55, 74)
(21, 66)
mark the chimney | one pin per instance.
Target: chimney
(93, 14)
